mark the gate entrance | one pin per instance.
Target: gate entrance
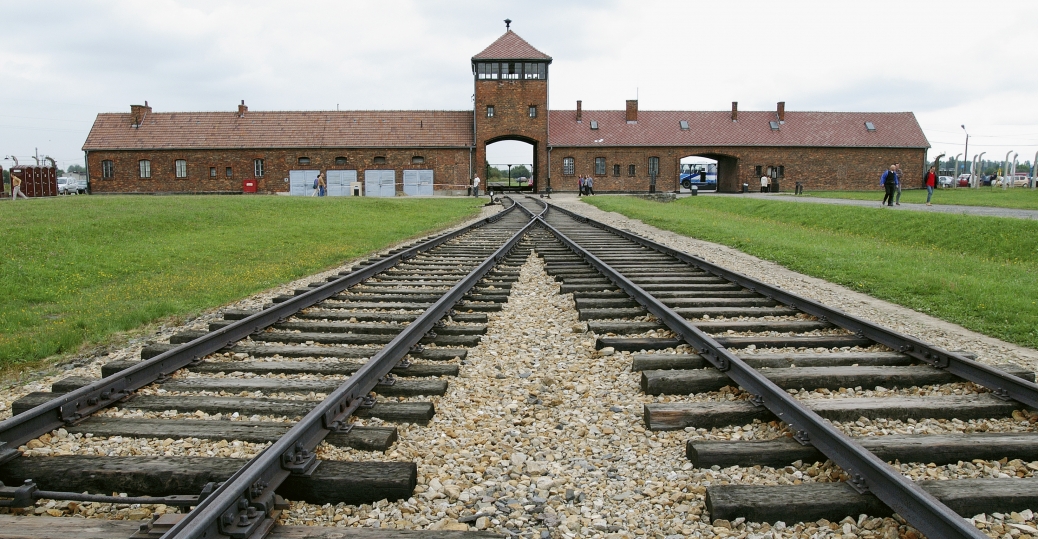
(418, 182)
(380, 183)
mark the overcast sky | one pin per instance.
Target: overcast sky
(950, 62)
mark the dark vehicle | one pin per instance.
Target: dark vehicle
(701, 175)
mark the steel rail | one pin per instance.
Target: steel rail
(1001, 384)
(867, 471)
(241, 505)
(79, 404)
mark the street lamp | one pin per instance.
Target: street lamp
(966, 151)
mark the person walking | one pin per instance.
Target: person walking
(16, 188)
(322, 185)
(580, 186)
(930, 180)
(764, 181)
(475, 186)
(889, 183)
(897, 170)
(589, 184)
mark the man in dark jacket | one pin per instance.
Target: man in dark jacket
(889, 182)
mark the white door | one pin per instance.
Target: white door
(380, 183)
(301, 182)
(418, 182)
(339, 182)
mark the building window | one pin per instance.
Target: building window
(340, 160)
(569, 167)
(509, 70)
(654, 167)
(304, 160)
(616, 170)
(145, 167)
(257, 167)
(107, 169)
(379, 160)
(533, 111)
(630, 170)
(594, 124)
(487, 70)
(417, 160)
(600, 166)
(227, 172)
(490, 111)
(180, 168)
(212, 172)
(683, 124)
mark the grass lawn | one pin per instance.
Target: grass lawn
(1020, 198)
(76, 270)
(979, 272)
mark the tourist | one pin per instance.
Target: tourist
(475, 186)
(889, 183)
(580, 186)
(589, 184)
(322, 185)
(897, 170)
(16, 188)
(764, 182)
(930, 179)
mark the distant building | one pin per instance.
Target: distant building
(387, 153)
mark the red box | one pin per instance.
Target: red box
(248, 186)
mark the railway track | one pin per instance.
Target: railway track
(276, 384)
(779, 349)
(714, 349)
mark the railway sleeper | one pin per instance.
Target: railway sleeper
(810, 502)
(332, 481)
(301, 351)
(623, 327)
(688, 382)
(761, 341)
(395, 412)
(938, 449)
(706, 415)
(647, 362)
(334, 338)
(402, 387)
(343, 368)
(359, 328)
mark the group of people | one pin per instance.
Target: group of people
(586, 185)
(320, 186)
(891, 182)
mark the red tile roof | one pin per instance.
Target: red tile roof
(332, 129)
(709, 128)
(511, 47)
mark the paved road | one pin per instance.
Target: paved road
(938, 208)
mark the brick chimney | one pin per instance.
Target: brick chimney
(138, 112)
(782, 111)
(242, 109)
(632, 111)
(580, 113)
(735, 111)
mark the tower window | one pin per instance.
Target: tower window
(490, 111)
(533, 111)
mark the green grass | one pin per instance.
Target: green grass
(1020, 198)
(76, 270)
(979, 272)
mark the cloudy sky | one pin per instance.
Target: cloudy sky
(950, 62)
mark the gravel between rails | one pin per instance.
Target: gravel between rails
(541, 436)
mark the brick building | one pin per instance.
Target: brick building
(388, 153)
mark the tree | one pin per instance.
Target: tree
(520, 171)
(77, 168)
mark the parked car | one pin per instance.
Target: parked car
(68, 185)
(945, 181)
(964, 180)
(63, 186)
